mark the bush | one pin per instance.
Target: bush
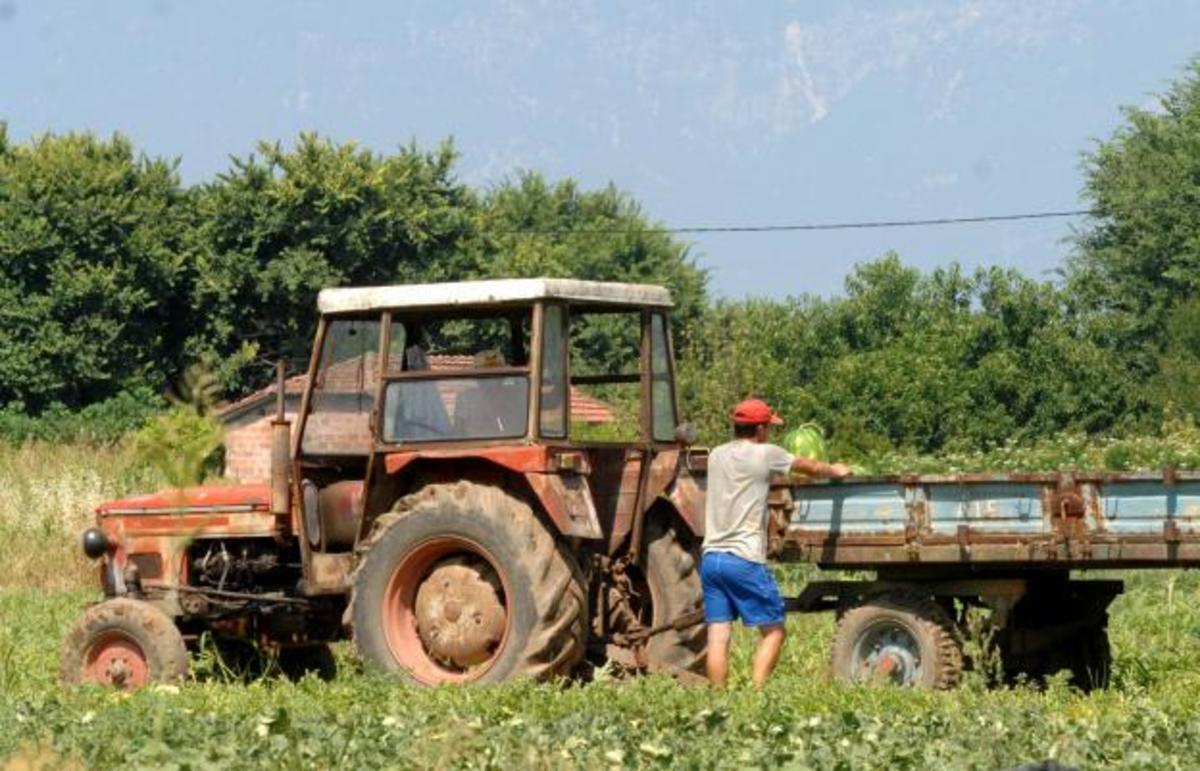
(182, 445)
(104, 421)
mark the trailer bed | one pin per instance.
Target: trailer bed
(1056, 520)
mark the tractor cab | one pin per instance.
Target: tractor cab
(566, 384)
(551, 361)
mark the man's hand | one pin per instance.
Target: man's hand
(837, 470)
(815, 468)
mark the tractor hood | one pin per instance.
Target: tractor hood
(225, 498)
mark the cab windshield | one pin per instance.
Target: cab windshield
(456, 378)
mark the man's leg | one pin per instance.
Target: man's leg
(766, 656)
(717, 661)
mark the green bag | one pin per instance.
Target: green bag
(806, 441)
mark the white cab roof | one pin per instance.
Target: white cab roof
(505, 290)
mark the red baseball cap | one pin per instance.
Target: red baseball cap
(755, 412)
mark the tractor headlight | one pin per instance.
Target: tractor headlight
(95, 543)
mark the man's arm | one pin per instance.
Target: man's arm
(815, 468)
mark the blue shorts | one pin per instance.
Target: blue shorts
(738, 588)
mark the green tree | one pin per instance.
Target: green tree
(1139, 255)
(924, 362)
(531, 227)
(1176, 384)
(283, 224)
(90, 270)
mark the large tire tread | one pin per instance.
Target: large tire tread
(928, 622)
(558, 636)
(148, 626)
(673, 569)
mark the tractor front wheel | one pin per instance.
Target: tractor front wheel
(125, 644)
(464, 583)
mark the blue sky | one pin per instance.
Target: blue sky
(709, 113)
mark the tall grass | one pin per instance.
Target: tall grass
(47, 495)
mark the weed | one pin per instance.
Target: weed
(986, 666)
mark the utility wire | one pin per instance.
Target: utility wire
(870, 224)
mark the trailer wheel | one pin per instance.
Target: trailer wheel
(905, 639)
(674, 583)
(463, 583)
(123, 643)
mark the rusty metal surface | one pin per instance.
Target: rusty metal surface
(662, 473)
(688, 496)
(339, 506)
(328, 573)
(461, 617)
(521, 458)
(207, 498)
(568, 501)
(151, 533)
(616, 473)
(1063, 520)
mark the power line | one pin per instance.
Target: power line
(865, 225)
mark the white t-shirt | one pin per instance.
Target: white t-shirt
(736, 515)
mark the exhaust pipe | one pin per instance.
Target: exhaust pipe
(281, 453)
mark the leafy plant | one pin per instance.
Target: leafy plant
(184, 444)
(181, 446)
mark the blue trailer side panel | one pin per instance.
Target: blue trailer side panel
(1142, 506)
(1062, 520)
(857, 508)
(990, 507)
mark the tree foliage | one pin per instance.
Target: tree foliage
(115, 277)
(280, 225)
(91, 245)
(925, 362)
(1138, 260)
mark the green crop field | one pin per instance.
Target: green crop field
(1148, 719)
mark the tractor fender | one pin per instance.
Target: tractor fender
(567, 499)
(687, 494)
(564, 495)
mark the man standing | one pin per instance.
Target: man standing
(733, 570)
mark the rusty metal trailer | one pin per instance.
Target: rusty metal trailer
(1014, 544)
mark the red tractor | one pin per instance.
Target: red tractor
(486, 480)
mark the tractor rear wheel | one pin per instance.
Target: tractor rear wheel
(674, 583)
(464, 583)
(906, 639)
(123, 643)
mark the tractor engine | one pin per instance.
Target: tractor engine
(246, 565)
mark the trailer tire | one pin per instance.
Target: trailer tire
(904, 638)
(123, 643)
(674, 581)
(463, 582)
